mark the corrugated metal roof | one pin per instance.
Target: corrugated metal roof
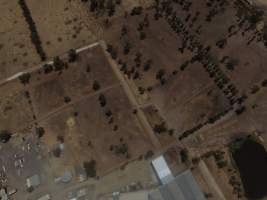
(183, 187)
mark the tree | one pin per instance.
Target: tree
(137, 11)
(124, 30)
(264, 83)
(67, 99)
(254, 89)
(122, 149)
(60, 138)
(102, 100)
(255, 18)
(110, 7)
(240, 110)
(184, 65)
(5, 136)
(160, 74)
(114, 54)
(40, 131)
(25, 78)
(184, 155)
(58, 64)
(57, 152)
(231, 64)
(222, 164)
(90, 168)
(30, 189)
(109, 48)
(96, 86)
(127, 48)
(72, 55)
(146, 21)
(136, 75)
(108, 113)
(142, 35)
(149, 154)
(160, 128)
(47, 68)
(93, 5)
(147, 65)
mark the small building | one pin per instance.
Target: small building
(183, 187)
(33, 181)
(162, 170)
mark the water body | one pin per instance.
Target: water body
(251, 159)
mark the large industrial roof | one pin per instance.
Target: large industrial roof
(183, 187)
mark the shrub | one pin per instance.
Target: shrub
(90, 168)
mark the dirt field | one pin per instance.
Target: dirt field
(15, 110)
(84, 124)
(63, 25)
(89, 135)
(184, 100)
(74, 82)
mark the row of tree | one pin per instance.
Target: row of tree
(34, 33)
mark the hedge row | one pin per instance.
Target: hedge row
(34, 34)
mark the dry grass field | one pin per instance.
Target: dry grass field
(66, 24)
(16, 50)
(62, 25)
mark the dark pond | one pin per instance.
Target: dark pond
(251, 159)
